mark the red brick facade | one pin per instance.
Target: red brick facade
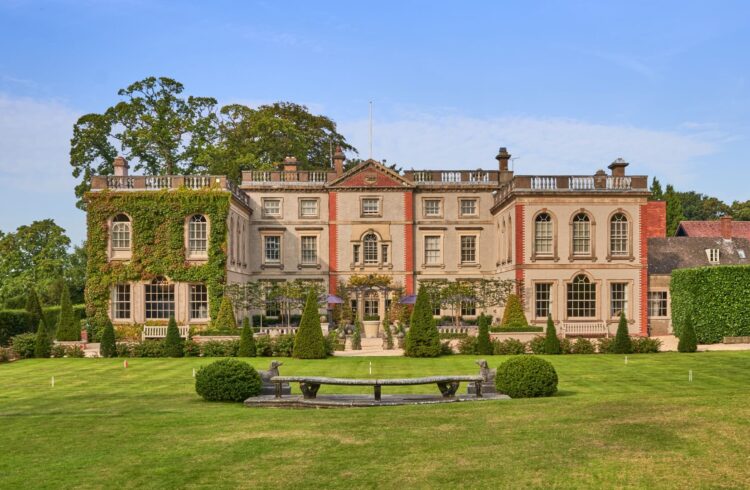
(519, 242)
(332, 240)
(653, 222)
(409, 241)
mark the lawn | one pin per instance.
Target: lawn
(611, 425)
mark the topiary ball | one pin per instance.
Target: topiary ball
(228, 380)
(526, 377)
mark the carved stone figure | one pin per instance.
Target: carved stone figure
(269, 388)
(488, 375)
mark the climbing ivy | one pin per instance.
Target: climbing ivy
(157, 242)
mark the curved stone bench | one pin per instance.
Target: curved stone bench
(309, 385)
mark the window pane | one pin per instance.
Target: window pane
(197, 234)
(370, 244)
(355, 254)
(384, 253)
(272, 248)
(468, 308)
(432, 250)
(543, 234)
(159, 300)
(618, 301)
(618, 235)
(309, 250)
(468, 249)
(432, 207)
(272, 207)
(198, 302)
(370, 206)
(581, 235)
(581, 298)
(121, 302)
(372, 304)
(542, 298)
(309, 207)
(657, 303)
(468, 206)
(121, 232)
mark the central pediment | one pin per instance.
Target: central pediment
(370, 175)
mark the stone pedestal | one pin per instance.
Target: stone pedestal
(270, 389)
(486, 388)
(371, 328)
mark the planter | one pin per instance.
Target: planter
(371, 328)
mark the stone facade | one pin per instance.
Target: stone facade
(577, 243)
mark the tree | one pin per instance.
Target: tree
(622, 343)
(34, 308)
(35, 256)
(291, 295)
(43, 344)
(513, 315)
(657, 194)
(674, 210)
(423, 339)
(484, 346)
(688, 341)
(173, 344)
(75, 273)
(388, 333)
(309, 342)
(68, 327)
(453, 295)
(247, 340)
(357, 335)
(225, 321)
(551, 342)
(248, 297)
(740, 210)
(108, 345)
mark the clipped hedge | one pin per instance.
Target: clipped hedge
(526, 377)
(717, 297)
(15, 322)
(227, 380)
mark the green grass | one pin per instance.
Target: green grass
(611, 425)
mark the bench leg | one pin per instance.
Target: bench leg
(278, 389)
(478, 388)
(448, 389)
(309, 390)
(377, 393)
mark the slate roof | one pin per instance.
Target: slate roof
(667, 254)
(712, 229)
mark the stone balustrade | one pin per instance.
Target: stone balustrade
(572, 183)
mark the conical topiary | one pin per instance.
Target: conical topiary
(309, 342)
(68, 327)
(35, 309)
(173, 344)
(513, 315)
(357, 336)
(388, 333)
(225, 321)
(247, 341)
(484, 346)
(688, 341)
(42, 345)
(551, 342)
(622, 344)
(108, 346)
(423, 339)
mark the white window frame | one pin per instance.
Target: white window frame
(582, 297)
(280, 239)
(540, 302)
(371, 213)
(122, 301)
(154, 294)
(439, 213)
(475, 249)
(657, 301)
(121, 234)
(436, 259)
(264, 209)
(618, 295)
(198, 301)
(619, 235)
(197, 236)
(306, 200)
(464, 214)
(303, 260)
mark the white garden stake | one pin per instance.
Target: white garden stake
(626, 359)
(690, 375)
(53, 381)
(370, 367)
(193, 372)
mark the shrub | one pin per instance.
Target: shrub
(357, 336)
(716, 300)
(645, 345)
(513, 315)
(582, 346)
(263, 346)
(129, 333)
(228, 380)
(551, 342)
(388, 333)
(622, 344)
(536, 345)
(124, 349)
(23, 345)
(331, 341)
(68, 326)
(225, 321)
(59, 351)
(6, 354)
(107, 347)
(423, 339)
(510, 347)
(688, 341)
(173, 342)
(530, 328)
(148, 348)
(283, 346)
(526, 377)
(606, 345)
(12, 323)
(43, 343)
(35, 309)
(191, 348)
(484, 346)
(445, 348)
(247, 342)
(309, 342)
(467, 345)
(220, 348)
(566, 346)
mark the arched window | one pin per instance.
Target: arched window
(581, 234)
(543, 234)
(618, 235)
(370, 248)
(581, 298)
(121, 232)
(159, 300)
(197, 235)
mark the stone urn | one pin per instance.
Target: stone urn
(371, 328)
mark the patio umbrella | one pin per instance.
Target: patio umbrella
(332, 299)
(409, 300)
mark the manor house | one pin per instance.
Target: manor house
(578, 244)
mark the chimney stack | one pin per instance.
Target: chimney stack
(121, 166)
(618, 167)
(503, 157)
(726, 227)
(338, 161)
(290, 164)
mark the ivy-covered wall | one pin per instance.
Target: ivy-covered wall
(157, 242)
(718, 298)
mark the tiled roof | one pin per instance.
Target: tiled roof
(667, 254)
(712, 229)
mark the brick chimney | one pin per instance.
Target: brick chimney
(338, 161)
(121, 166)
(503, 157)
(618, 167)
(290, 164)
(726, 227)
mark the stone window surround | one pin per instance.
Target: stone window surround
(628, 298)
(629, 255)
(264, 263)
(196, 256)
(598, 301)
(192, 320)
(112, 302)
(552, 293)
(380, 242)
(476, 262)
(119, 253)
(301, 264)
(317, 207)
(441, 204)
(362, 213)
(441, 238)
(264, 214)
(554, 255)
(592, 237)
(476, 207)
(667, 299)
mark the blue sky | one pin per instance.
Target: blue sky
(566, 86)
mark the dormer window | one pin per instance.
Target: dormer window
(713, 255)
(121, 232)
(197, 235)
